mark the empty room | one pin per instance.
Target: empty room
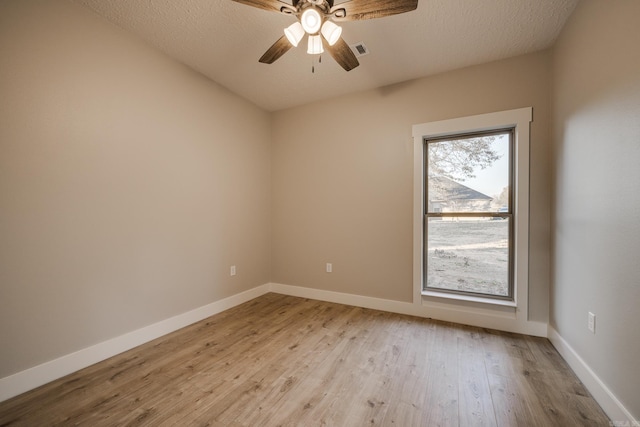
(319, 212)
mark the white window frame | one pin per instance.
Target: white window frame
(443, 303)
(493, 298)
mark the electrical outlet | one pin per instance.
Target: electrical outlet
(329, 267)
(232, 270)
(591, 323)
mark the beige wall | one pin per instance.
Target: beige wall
(597, 207)
(128, 185)
(343, 177)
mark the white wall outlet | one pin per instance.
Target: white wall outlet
(329, 267)
(591, 322)
(232, 270)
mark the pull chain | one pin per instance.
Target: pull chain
(313, 63)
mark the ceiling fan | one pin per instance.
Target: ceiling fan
(317, 19)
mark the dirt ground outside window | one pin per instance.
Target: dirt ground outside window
(468, 255)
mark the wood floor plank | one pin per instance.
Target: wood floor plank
(442, 401)
(509, 407)
(475, 406)
(405, 406)
(287, 361)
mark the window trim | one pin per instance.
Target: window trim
(473, 296)
(519, 120)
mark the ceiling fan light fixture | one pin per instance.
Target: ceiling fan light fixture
(313, 17)
(315, 45)
(294, 33)
(311, 20)
(331, 32)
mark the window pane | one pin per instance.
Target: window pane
(468, 254)
(468, 174)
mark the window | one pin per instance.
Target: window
(450, 206)
(468, 223)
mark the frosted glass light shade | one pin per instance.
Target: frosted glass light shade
(315, 45)
(311, 20)
(294, 33)
(331, 32)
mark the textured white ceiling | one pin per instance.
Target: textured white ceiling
(223, 40)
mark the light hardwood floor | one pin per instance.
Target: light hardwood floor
(280, 360)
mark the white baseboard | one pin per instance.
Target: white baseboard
(614, 409)
(346, 299)
(31, 378)
(455, 314)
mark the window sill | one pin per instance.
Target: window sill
(469, 298)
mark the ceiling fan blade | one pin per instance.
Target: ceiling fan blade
(343, 55)
(271, 5)
(276, 50)
(357, 10)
